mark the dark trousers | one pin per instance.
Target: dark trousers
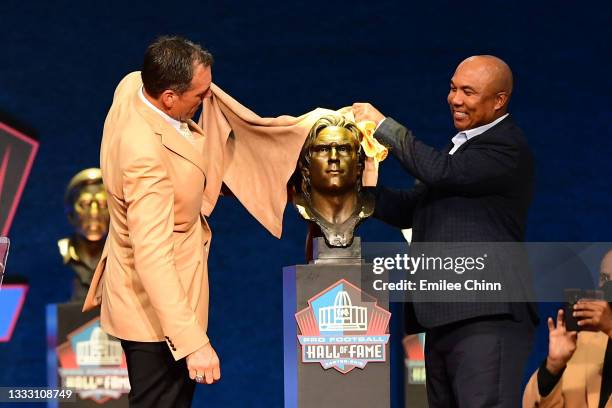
(477, 363)
(156, 379)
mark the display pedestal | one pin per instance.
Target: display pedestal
(80, 356)
(330, 323)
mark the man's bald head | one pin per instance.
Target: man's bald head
(480, 91)
(498, 72)
(605, 269)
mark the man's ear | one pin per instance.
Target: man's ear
(501, 100)
(168, 98)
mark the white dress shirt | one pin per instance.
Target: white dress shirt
(465, 135)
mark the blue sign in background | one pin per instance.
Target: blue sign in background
(11, 302)
(61, 61)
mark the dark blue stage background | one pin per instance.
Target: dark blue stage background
(60, 62)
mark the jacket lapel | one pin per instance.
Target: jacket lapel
(179, 145)
(448, 148)
(170, 138)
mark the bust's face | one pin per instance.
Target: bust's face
(90, 211)
(334, 161)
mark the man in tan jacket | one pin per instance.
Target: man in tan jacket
(152, 280)
(163, 174)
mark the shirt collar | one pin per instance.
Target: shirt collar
(173, 122)
(470, 133)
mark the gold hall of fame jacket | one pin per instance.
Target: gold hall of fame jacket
(580, 384)
(152, 279)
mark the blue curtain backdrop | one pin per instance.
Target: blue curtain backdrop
(60, 62)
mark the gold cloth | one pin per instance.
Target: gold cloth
(261, 154)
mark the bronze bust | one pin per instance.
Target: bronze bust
(330, 193)
(86, 208)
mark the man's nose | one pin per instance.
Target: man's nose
(455, 99)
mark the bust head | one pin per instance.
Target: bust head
(331, 160)
(85, 204)
(330, 165)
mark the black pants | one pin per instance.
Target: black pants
(477, 363)
(156, 379)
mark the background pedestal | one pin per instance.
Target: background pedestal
(79, 353)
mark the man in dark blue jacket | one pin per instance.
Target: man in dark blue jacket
(478, 189)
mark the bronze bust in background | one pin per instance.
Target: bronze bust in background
(87, 212)
(330, 165)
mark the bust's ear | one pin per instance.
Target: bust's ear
(73, 218)
(361, 162)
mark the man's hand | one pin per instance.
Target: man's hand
(594, 315)
(365, 111)
(561, 344)
(204, 362)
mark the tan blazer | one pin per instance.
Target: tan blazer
(152, 280)
(580, 385)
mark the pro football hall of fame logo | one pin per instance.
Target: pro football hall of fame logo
(343, 328)
(93, 364)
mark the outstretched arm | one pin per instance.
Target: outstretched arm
(481, 169)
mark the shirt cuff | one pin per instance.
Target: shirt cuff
(379, 123)
(546, 380)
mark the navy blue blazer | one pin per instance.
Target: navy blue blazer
(481, 193)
